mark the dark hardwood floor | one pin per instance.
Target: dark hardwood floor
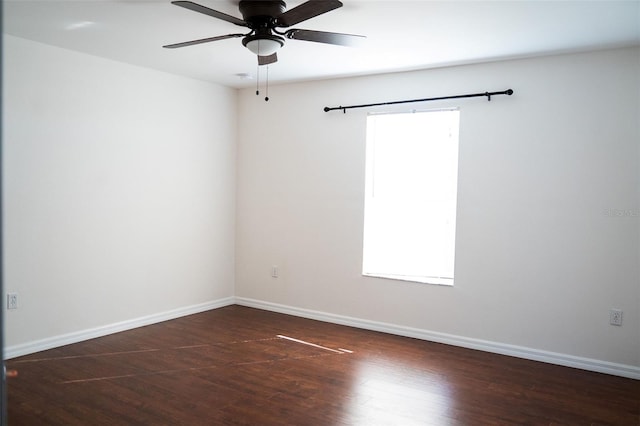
(238, 365)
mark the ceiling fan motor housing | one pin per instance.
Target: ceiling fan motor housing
(261, 13)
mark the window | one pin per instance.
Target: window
(411, 190)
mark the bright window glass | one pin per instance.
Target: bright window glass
(411, 193)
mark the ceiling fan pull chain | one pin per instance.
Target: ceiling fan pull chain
(258, 80)
(266, 98)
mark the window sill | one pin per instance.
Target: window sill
(415, 279)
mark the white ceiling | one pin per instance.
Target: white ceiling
(401, 35)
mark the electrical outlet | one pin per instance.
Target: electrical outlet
(12, 301)
(615, 317)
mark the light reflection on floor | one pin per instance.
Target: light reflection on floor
(387, 392)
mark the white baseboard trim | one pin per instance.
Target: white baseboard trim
(80, 336)
(623, 370)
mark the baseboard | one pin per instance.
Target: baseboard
(80, 336)
(589, 364)
(599, 366)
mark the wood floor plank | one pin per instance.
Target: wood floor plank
(243, 366)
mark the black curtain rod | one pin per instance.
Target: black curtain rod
(472, 95)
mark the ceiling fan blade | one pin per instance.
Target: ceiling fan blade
(325, 37)
(202, 9)
(202, 40)
(306, 10)
(266, 60)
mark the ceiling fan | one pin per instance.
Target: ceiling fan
(263, 18)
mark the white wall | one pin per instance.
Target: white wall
(119, 192)
(539, 262)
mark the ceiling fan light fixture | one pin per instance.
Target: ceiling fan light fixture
(263, 45)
